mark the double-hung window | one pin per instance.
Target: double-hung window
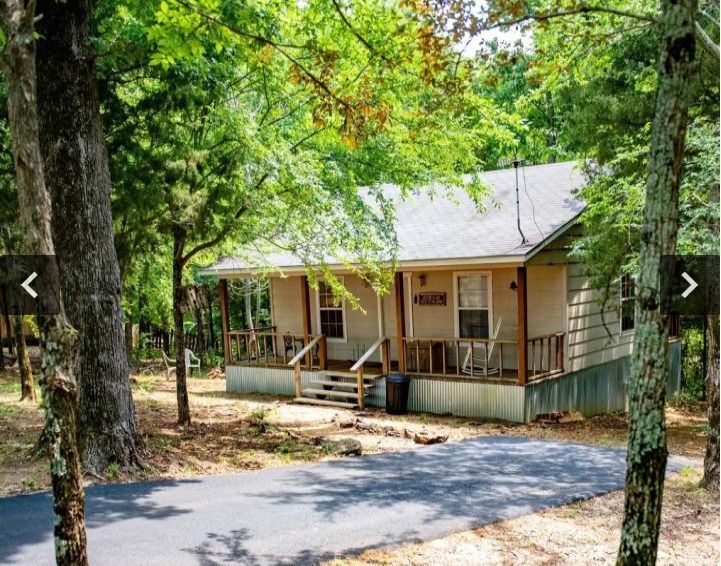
(473, 304)
(331, 313)
(628, 303)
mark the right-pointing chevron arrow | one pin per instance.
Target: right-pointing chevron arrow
(691, 285)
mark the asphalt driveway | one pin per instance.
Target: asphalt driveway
(305, 514)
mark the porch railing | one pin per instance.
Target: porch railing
(384, 345)
(472, 357)
(545, 355)
(268, 347)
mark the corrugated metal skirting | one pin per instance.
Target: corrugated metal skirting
(594, 391)
(427, 395)
(466, 398)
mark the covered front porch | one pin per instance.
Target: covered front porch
(498, 325)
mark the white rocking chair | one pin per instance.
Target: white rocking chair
(479, 354)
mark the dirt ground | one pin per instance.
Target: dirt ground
(232, 433)
(586, 532)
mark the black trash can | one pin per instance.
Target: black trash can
(397, 386)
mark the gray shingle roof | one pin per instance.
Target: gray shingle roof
(446, 225)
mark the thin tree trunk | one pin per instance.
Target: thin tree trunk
(646, 457)
(710, 479)
(200, 332)
(27, 386)
(248, 298)
(6, 317)
(78, 173)
(211, 326)
(57, 337)
(129, 341)
(3, 332)
(178, 299)
(551, 116)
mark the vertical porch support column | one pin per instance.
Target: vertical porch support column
(225, 318)
(305, 307)
(400, 321)
(522, 296)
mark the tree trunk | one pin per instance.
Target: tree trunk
(78, 173)
(200, 332)
(710, 479)
(27, 387)
(6, 317)
(211, 326)
(646, 457)
(129, 342)
(551, 117)
(181, 384)
(248, 296)
(3, 332)
(57, 337)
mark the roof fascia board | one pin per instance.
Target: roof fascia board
(554, 236)
(431, 265)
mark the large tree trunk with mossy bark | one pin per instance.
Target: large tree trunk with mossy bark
(646, 457)
(27, 387)
(181, 384)
(78, 174)
(710, 479)
(57, 337)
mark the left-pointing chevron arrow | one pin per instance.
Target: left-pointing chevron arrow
(26, 285)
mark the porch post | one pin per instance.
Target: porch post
(305, 307)
(400, 321)
(522, 325)
(225, 318)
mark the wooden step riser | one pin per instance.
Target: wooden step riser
(343, 384)
(324, 403)
(332, 373)
(329, 393)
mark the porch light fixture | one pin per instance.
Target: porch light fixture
(422, 279)
(513, 286)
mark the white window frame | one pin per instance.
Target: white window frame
(456, 302)
(621, 300)
(341, 278)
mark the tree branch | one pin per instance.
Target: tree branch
(358, 36)
(280, 47)
(706, 42)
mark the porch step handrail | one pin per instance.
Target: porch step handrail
(384, 344)
(307, 348)
(295, 362)
(368, 353)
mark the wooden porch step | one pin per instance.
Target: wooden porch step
(323, 402)
(353, 384)
(335, 373)
(329, 393)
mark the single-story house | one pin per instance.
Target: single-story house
(489, 313)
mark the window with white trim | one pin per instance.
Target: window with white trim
(331, 313)
(473, 306)
(628, 303)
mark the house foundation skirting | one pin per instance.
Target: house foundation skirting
(592, 391)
